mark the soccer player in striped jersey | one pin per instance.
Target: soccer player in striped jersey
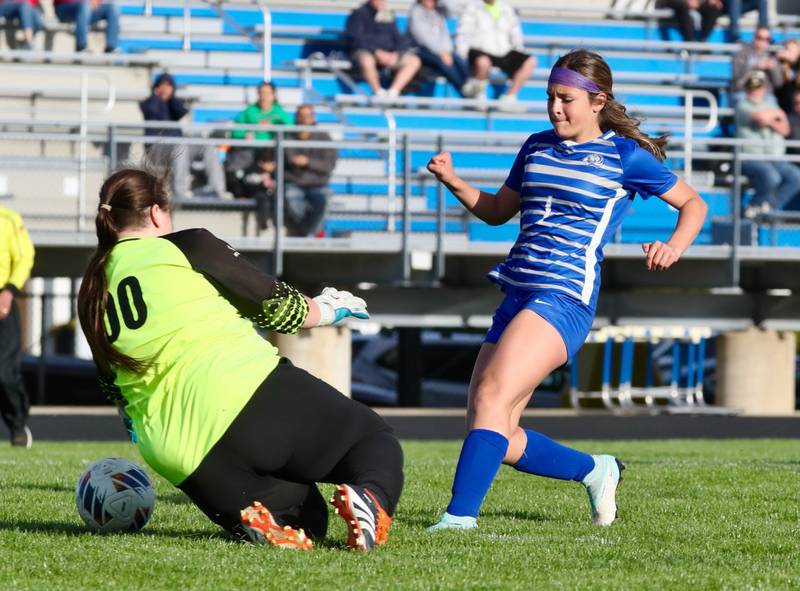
(571, 186)
(214, 408)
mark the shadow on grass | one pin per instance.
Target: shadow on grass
(46, 527)
(174, 498)
(25, 488)
(75, 529)
(515, 514)
(422, 520)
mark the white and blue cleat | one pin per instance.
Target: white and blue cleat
(601, 485)
(448, 521)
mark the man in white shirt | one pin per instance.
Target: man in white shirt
(489, 34)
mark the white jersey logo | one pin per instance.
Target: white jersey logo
(594, 160)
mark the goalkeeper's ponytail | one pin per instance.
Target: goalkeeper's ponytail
(125, 201)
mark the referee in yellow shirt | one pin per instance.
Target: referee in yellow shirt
(16, 260)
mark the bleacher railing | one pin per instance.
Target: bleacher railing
(84, 76)
(393, 147)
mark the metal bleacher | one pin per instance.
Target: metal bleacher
(389, 224)
(216, 54)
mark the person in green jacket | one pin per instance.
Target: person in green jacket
(214, 408)
(265, 111)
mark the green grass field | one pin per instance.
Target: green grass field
(694, 515)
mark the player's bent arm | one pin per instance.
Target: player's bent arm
(691, 215)
(270, 303)
(493, 208)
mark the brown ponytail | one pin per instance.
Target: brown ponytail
(125, 201)
(614, 115)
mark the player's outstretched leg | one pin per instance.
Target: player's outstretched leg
(367, 522)
(262, 528)
(599, 474)
(601, 485)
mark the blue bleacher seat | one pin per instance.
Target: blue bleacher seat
(299, 33)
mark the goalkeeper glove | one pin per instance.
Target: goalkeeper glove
(335, 306)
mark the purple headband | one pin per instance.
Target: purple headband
(572, 78)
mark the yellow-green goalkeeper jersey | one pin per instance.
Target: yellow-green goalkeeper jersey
(186, 302)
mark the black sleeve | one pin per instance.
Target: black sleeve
(326, 160)
(400, 41)
(269, 302)
(152, 108)
(356, 34)
(177, 109)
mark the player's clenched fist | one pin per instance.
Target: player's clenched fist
(660, 256)
(441, 165)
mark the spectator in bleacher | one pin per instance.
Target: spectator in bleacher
(308, 173)
(164, 105)
(794, 122)
(736, 8)
(758, 118)
(258, 182)
(709, 11)
(27, 13)
(490, 34)
(85, 13)
(756, 56)
(427, 25)
(16, 261)
(266, 111)
(789, 59)
(375, 43)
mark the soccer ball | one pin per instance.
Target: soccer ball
(114, 494)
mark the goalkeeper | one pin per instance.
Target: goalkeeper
(215, 409)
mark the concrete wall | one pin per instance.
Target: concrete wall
(756, 371)
(325, 352)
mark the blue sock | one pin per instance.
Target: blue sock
(481, 455)
(545, 457)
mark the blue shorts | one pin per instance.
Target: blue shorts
(571, 318)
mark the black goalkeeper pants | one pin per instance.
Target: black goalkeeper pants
(14, 402)
(296, 431)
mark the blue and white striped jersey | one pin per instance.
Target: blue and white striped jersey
(573, 197)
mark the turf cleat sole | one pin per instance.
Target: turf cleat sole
(262, 528)
(367, 522)
(603, 493)
(456, 522)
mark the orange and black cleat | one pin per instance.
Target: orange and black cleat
(367, 522)
(262, 528)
